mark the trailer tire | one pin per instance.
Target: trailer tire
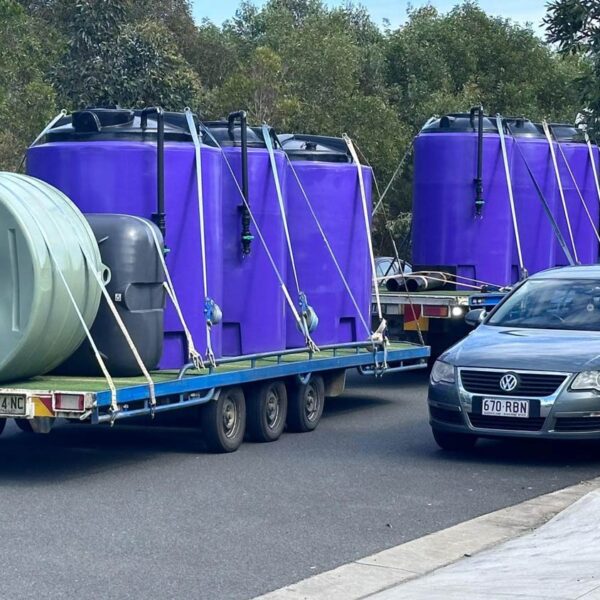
(267, 407)
(24, 425)
(305, 405)
(224, 421)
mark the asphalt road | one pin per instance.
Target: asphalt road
(145, 513)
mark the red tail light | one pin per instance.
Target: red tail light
(69, 402)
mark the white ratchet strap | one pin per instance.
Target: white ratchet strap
(398, 169)
(560, 188)
(329, 248)
(194, 133)
(511, 199)
(581, 198)
(109, 380)
(121, 325)
(379, 334)
(593, 163)
(193, 354)
(303, 324)
(44, 131)
(48, 127)
(125, 332)
(258, 231)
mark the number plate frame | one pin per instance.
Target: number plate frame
(13, 405)
(506, 407)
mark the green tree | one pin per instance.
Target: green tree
(27, 100)
(123, 52)
(573, 25)
(259, 87)
(440, 63)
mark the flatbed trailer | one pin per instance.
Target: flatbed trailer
(254, 392)
(438, 314)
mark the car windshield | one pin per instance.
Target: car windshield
(552, 304)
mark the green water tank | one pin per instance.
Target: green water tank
(43, 235)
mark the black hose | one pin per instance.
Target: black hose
(479, 201)
(158, 217)
(247, 236)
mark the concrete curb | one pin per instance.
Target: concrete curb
(378, 572)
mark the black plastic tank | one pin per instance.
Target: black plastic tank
(128, 249)
(317, 148)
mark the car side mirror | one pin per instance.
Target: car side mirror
(475, 317)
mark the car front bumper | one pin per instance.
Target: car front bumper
(565, 414)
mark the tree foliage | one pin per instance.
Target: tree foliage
(574, 26)
(115, 58)
(299, 65)
(27, 99)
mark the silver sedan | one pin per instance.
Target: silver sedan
(531, 368)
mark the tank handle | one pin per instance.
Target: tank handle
(247, 236)
(158, 217)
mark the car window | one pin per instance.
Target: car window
(383, 267)
(552, 304)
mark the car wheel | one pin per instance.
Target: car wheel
(448, 440)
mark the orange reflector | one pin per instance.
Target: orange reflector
(441, 312)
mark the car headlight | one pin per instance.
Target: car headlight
(587, 380)
(442, 372)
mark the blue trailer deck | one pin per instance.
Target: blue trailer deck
(94, 400)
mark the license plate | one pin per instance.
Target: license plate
(13, 404)
(502, 407)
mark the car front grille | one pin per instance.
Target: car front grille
(446, 416)
(506, 423)
(536, 385)
(577, 424)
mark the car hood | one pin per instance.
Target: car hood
(529, 349)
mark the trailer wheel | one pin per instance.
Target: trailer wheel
(24, 425)
(224, 421)
(267, 411)
(305, 405)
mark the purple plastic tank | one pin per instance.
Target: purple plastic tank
(106, 163)
(254, 307)
(449, 233)
(330, 179)
(576, 155)
(538, 240)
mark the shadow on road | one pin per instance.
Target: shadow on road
(70, 451)
(349, 403)
(557, 453)
(408, 379)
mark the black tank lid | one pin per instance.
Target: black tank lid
(220, 131)
(318, 148)
(104, 124)
(564, 132)
(523, 128)
(459, 123)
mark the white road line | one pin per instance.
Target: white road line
(375, 573)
